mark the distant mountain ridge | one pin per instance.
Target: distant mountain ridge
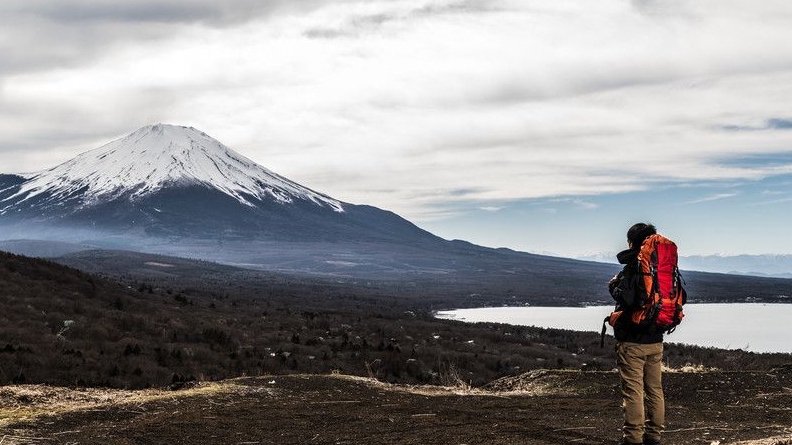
(769, 265)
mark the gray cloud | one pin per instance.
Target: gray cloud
(354, 27)
(327, 33)
(359, 25)
(770, 124)
(460, 7)
(514, 89)
(38, 45)
(211, 12)
(666, 8)
(731, 127)
(51, 132)
(779, 124)
(41, 34)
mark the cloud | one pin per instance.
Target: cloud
(353, 27)
(577, 202)
(779, 124)
(86, 12)
(41, 34)
(424, 107)
(361, 24)
(777, 160)
(714, 197)
(769, 124)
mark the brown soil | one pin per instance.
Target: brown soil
(541, 407)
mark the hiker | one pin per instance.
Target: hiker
(639, 347)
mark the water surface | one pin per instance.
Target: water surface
(753, 327)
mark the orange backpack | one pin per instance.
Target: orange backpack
(660, 300)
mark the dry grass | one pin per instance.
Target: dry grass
(535, 383)
(27, 402)
(777, 440)
(687, 367)
(424, 390)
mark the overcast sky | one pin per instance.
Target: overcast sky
(537, 125)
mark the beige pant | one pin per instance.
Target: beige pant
(641, 382)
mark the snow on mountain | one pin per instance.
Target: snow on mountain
(600, 257)
(160, 155)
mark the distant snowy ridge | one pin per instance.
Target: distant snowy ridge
(600, 257)
(159, 155)
(770, 265)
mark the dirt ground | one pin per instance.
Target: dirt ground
(541, 407)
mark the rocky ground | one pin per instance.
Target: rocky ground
(540, 407)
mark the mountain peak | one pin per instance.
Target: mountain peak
(163, 155)
(170, 133)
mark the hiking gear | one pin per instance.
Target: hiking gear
(663, 283)
(624, 288)
(648, 291)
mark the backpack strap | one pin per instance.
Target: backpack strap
(604, 329)
(610, 320)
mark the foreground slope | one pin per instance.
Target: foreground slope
(540, 408)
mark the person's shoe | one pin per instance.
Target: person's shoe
(651, 442)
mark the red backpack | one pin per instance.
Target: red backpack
(660, 301)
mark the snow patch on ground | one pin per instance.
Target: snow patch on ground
(152, 263)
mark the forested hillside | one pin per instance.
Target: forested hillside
(65, 327)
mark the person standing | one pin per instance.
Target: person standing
(639, 350)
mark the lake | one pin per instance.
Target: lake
(753, 327)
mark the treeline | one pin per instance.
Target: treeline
(65, 327)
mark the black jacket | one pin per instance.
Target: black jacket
(628, 291)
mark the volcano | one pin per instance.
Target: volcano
(177, 183)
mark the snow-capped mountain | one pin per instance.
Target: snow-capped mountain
(176, 186)
(150, 159)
